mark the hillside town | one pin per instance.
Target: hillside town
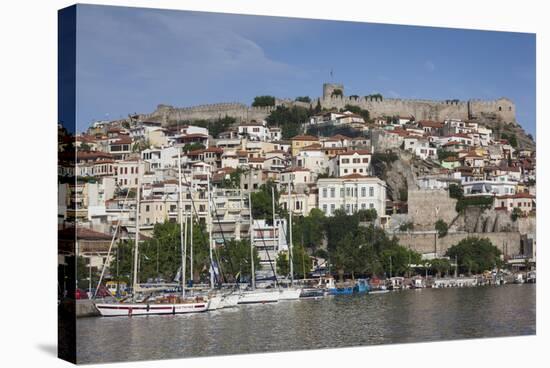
(428, 184)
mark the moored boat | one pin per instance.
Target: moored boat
(290, 293)
(164, 305)
(259, 297)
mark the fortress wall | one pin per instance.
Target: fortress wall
(508, 242)
(420, 109)
(241, 112)
(428, 206)
(503, 108)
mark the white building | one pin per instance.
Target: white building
(256, 131)
(352, 193)
(501, 185)
(161, 158)
(128, 171)
(313, 159)
(353, 162)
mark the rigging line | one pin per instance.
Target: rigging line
(194, 209)
(266, 251)
(213, 204)
(110, 246)
(223, 236)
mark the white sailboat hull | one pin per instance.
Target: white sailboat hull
(290, 294)
(259, 297)
(142, 309)
(230, 300)
(215, 302)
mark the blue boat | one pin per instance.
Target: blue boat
(341, 290)
(361, 286)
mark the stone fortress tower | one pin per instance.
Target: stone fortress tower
(328, 89)
(502, 109)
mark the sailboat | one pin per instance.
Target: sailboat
(149, 304)
(291, 292)
(256, 296)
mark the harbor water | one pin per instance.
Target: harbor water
(350, 320)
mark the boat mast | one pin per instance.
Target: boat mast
(182, 225)
(136, 237)
(191, 231)
(210, 230)
(253, 274)
(278, 237)
(291, 258)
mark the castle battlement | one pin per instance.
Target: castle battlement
(333, 97)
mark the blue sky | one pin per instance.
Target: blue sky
(131, 59)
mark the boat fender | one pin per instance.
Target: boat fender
(174, 309)
(130, 312)
(147, 307)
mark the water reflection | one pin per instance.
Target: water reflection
(399, 317)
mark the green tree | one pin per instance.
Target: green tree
(408, 226)
(193, 147)
(263, 101)
(234, 180)
(337, 92)
(456, 191)
(308, 230)
(305, 99)
(516, 213)
(475, 255)
(235, 259)
(338, 226)
(368, 215)
(357, 110)
(440, 266)
(442, 228)
(290, 120)
(262, 202)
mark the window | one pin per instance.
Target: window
(332, 192)
(147, 208)
(345, 160)
(342, 192)
(371, 205)
(348, 208)
(332, 207)
(348, 190)
(324, 192)
(363, 206)
(371, 192)
(325, 208)
(356, 160)
(366, 160)
(363, 192)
